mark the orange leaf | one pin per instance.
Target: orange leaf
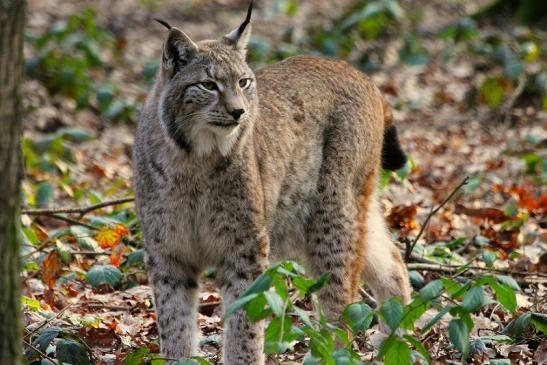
(403, 218)
(117, 254)
(107, 237)
(52, 267)
(122, 230)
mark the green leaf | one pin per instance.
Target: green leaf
(84, 237)
(104, 274)
(238, 304)
(277, 335)
(489, 258)
(186, 362)
(473, 299)
(398, 353)
(386, 345)
(392, 312)
(509, 281)
(136, 357)
(44, 194)
(261, 284)
(105, 94)
(416, 279)
(71, 352)
(74, 134)
(413, 311)
(459, 336)
(412, 52)
(30, 235)
(500, 362)
(419, 346)
(440, 314)
(135, 258)
(201, 360)
(275, 302)
(539, 320)
(358, 316)
(493, 91)
(452, 287)
(255, 308)
(319, 283)
(505, 295)
(431, 290)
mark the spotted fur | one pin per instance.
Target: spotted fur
(294, 176)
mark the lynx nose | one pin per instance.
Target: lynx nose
(236, 113)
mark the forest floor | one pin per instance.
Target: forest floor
(499, 216)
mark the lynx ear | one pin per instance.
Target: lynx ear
(177, 50)
(239, 37)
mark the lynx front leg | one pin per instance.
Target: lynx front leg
(176, 299)
(243, 340)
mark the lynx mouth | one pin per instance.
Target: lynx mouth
(224, 125)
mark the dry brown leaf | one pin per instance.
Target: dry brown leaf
(51, 268)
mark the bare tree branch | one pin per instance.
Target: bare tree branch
(410, 247)
(77, 210)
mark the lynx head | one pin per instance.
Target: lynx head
(207, 91)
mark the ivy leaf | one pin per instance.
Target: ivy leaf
(44, 339)
(104, 274)
(71, 352)
(459, 336)
(44, 194)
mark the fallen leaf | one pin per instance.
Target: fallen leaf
(52, 267)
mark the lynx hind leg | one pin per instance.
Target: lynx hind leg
(384, 272)
(176, 300)
(331, 237)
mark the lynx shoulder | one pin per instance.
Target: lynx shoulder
(236, 169)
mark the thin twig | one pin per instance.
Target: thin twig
(527, 277)
(77, 210)
(366, 296)
(57, 316)
(72, 221)
(410, 248)
(38, 249)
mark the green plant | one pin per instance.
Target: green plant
(72, 58)
(280, 292)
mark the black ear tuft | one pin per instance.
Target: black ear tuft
(163, 22)
(393, 157)
(239, 37)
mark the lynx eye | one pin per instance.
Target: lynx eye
(208, 85)
(244, 83)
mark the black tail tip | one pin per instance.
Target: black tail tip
(393, 156)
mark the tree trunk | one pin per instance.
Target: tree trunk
(11, 68)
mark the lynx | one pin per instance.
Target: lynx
(235, 169)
